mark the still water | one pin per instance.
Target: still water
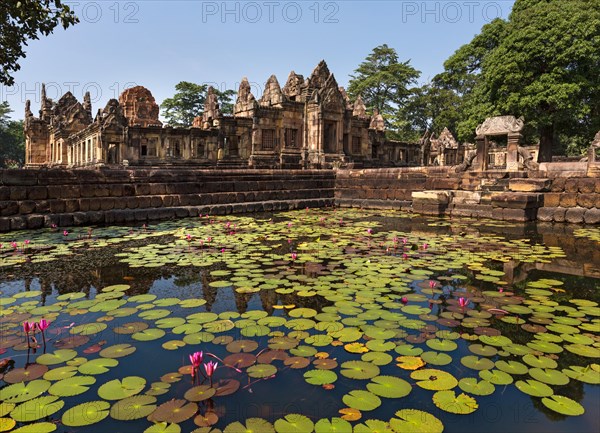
(333, 320)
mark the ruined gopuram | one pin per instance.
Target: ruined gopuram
(309, 123)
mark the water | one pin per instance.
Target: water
(351, 269)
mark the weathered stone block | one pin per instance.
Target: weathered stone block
(552, 199)
(9, 208)
(4, 224)
(107, 203)
(37, 193)
(592, 216)
(42, 206)
(80, 218)
(546, 214)
(466, 197)
(516, 200)
(71, 205)
(558, 184)
(586, 185)
(57, 206)
(521, 215)
(529, 185)
(431, 197)
(116, 190)
(4, 193)
(575, 215)
(587, 200)
(26, 207)
(571, 185)
(18, 223)
(95, 217)
(71, 191)
(559, 214)
(19, 177)
(18, 193)
(568, 200)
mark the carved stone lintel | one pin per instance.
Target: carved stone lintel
(500, 125)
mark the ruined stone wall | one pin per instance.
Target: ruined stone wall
(564, 196)
(39, 198)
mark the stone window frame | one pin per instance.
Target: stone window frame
(268, 139)
(356, 145)
(291, 138)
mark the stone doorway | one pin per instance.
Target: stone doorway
(330, 144)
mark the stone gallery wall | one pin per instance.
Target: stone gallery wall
(39, 198)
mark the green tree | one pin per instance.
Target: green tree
(12, 140)
(24, 20)
(384, 83)
(188, 103)
(546, 69)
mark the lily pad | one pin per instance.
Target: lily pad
(450, 402)
(435, 380)
(563, 405)
(136, 407)
(389, 387)
(36, 409)
(119, 389)
(294, 423)
(361, 400)
(415, 421)
(86, 414)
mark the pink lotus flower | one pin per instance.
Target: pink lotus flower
(432, 284)
(210, 368)
(294, 256)
(43, 324)
(405, 256)
(462, 302)
(209, 239)
(28, 327)
(425, 246)
(222, 250)
(188, 237)
(53, 226)
(289, 225)
(404, 241)
(14, 245)
(369, 231)
(65, 233)
(27, 241)
(500, 290)
(404, 300)
(196, 359)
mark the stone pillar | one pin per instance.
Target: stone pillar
(512, 154)
(481, 159)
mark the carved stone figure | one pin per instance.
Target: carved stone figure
(293, 87)
(500, 125)
(596, 141)
(466, 164)
(359, 109)
(245, 102)
(377, 122)
(528, 161)
(211, 108)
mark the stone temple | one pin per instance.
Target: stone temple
(307, 123)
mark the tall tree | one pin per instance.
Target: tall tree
(188, 102)
(546, 68)
(12, 141)
(24, 20)
(383, 82)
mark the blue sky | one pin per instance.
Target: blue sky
(157, 43)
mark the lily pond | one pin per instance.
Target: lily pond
(323, 320)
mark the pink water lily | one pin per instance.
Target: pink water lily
(294, 256)
(425, 245)
(65, 233)
(196, 359)
(369, 231)
(404, 300)
(432, 284)
(405, 256)
(210, 368)
(188, 237)
(463, 302)
(27, 241)
(43, 324)
(28, 327)
(14, 245)
(404, 241)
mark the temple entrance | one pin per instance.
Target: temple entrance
(113, 153)
(330, 144)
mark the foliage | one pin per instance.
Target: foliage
(12, 141)
(23, 20)
(188, 103)
(384, 83)
(541, 64)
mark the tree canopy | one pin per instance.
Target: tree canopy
(383, 82)
(12, 141)
(24, 20)
(188, 102)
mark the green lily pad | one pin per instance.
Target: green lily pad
(584, 374)
(163, 427)
(361, 400)
(86, 414)
(497, 377)
(294, 423)
(450, 402)
(320, 377)
(72, 386)
(534, 388)
(24, 391)
(119, 389)
(359, 370)
(136, 407)
(563, 405)
(57, 357)
(511, 367)
(251, 425)
(415, 421)
(434, 380)
(36, 409)
(549, 376)
(261, 370)
(39, 427)
(477, 363)
(200, 393)
(117, 351)
(335, 425)
(389, 387)
(98, 366)
(475, 387)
